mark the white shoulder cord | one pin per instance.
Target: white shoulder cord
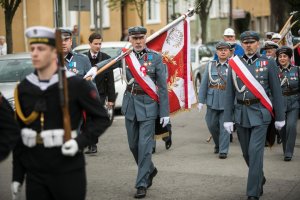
(124, 76)
(209, 75)
(235, 83)
(283, 81)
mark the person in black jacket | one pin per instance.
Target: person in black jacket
(54, 166)
(9, 129)
(104, 81)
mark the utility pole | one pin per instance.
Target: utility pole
(230, 13)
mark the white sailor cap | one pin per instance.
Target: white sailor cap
(40, 34)
(276, 36)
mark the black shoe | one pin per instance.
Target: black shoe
(153, 150)
(140, 193)
(92, 149)
(216, 150)
(262, 186)
(279, 141)
(222, 155)
(252, 198)
(287, 158)
(151, 176)
(168, 143)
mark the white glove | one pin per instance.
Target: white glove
(92, 72)
(69, 148)
(200, 106)
(28, 137)
(279, 124)
(15, 190)
(52, 138)
(228, 127)
(164, 121)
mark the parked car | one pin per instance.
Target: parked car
(200, 56)
(212, 46)
(113, 49)
(13, 69)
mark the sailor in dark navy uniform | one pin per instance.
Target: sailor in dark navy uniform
(54, 168)
(9, 129)
(290, 84)
(251, 117)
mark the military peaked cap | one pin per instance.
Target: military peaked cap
(66, 32)
(40, 34)
(137, 30)
(270, 45)
(249, 35)
(223, 45)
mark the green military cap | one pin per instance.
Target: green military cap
(137, 30)
(249, 36)
(66, 33)
(223, 45)
(286, 50)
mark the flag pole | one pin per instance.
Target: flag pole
(287, 22)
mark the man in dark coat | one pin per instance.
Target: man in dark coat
(104, 81)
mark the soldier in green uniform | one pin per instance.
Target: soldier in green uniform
(141, 110)
(250, 113)
(290, 84)
(212, 93)
(74, 62)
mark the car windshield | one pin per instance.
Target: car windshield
(14, 70)
(111, 51)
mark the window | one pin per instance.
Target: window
(69, 18)
(105, 14)
(153, 11)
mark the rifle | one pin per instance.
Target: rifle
(63, 86)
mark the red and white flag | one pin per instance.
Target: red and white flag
(174, 46)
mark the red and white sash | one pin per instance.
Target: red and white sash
(139, 73)
(251, 83)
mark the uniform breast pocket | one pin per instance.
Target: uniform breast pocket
(151, 71)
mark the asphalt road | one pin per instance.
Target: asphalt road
(189, 170)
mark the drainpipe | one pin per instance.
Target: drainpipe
(25, 23)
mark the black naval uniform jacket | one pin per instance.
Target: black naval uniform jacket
(105, 81)
(82, 96)
(9, 129)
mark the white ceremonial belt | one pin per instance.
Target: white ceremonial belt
(49, 138)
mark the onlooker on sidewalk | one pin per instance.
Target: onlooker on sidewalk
(3, 46)
(104, 81)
